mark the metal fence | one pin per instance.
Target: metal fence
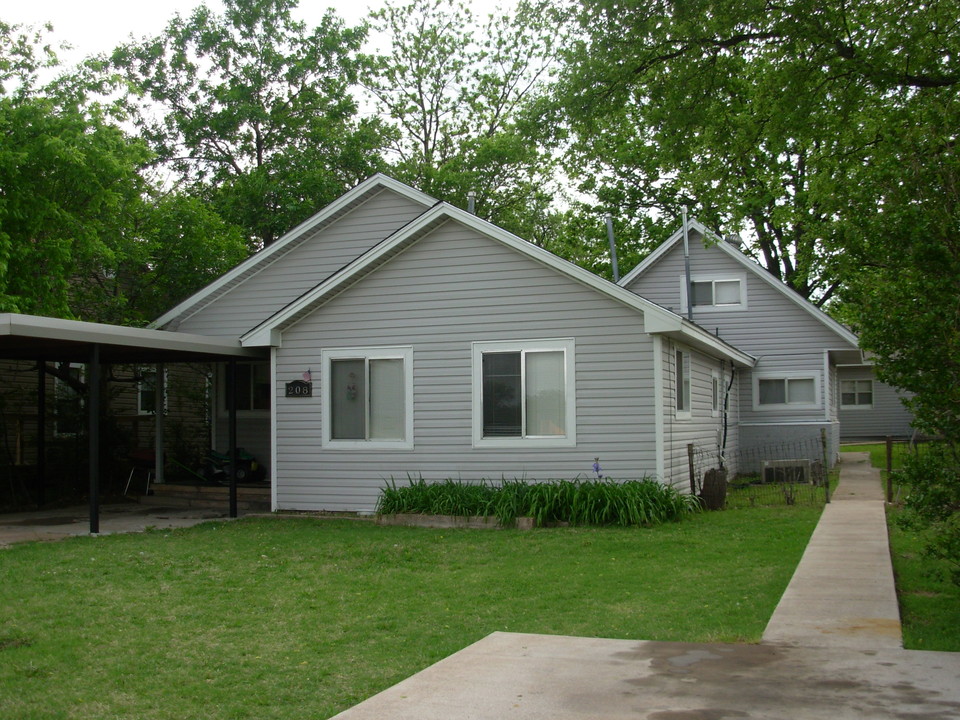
(779, 474)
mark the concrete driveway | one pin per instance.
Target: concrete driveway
(115, 518)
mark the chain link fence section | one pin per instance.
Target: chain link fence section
(787, 474)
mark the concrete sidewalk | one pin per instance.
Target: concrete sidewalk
(842, 593)
(832, 651)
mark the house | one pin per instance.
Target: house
(810, 374)
(408, 338)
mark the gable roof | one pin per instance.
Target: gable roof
(257, 262)
(657, 320)
(747, 263)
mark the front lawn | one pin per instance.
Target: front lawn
(304, 617)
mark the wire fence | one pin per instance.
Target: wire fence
(786, 473)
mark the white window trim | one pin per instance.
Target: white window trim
(404, 353)
(166, 385)
(687, 413)
(816, 404)
(728, 277)
(568, 347)
(855, 406)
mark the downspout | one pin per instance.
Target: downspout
(686, 264)
(726, 412)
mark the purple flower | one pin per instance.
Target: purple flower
(596, 467)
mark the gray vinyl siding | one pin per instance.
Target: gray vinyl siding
(452, 288)
(783, 338)
(303, 265)
(701, 429)
(786, 340)
(887, 415)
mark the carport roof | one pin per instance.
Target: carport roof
(31, 337)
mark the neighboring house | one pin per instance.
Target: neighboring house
(810, 373)
(440, 346)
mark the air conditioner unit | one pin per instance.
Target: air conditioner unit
(786, 471)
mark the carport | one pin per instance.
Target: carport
(42, 339)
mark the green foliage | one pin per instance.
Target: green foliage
(932, 503)
(773, 119)
(454, 91)
(929, 602)
(634, 503)
(256, 114)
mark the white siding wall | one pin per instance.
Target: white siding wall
(302, 266)
(453, 288)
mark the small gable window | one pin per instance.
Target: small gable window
(715, 293)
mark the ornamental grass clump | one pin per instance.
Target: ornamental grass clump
(578, 502)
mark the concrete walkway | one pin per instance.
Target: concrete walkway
(842, 593)
(832, 651)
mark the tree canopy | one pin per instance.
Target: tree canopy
(759, 116)
(253, 111)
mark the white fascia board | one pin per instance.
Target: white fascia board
(656, 318)
(746, 262)
(263, 258)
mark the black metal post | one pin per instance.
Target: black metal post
(41, 432)
(93, 435)
(232, 431)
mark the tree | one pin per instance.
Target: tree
(66, 173)
(754, 114)
(455, 93)
(255, 111)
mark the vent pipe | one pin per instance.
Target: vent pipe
(686, 264)
(472, 202)
(613, 248)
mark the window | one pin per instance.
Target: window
(367, 398)
(68, 402)
(147, 392)
(778, 391)
(714, 294)
(683, 383)
(856, 393)
(253, 387)
(715, 391)
(524, 394)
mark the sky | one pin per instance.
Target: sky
(96, 26)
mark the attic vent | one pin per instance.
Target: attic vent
(786, 471)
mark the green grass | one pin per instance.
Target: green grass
(304, 617)
(929, 605)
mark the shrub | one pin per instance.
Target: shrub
(579, 502)
(932, 503)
